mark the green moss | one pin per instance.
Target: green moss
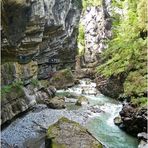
(81, 40)
(63, 74)
(56, 145)
(35, 82)
(45, 83)
(9, 88)
(143, 101)
(51, 132)
(87, 3)
(60, 130)
(135, 83)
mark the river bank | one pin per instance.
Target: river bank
(97, 117)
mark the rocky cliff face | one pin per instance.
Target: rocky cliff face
(97, 26)
(41, 30)
(38, 38)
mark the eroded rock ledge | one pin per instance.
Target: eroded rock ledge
(40, 30)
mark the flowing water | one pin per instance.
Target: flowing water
(24, 132)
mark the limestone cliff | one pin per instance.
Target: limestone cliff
(38, 38)
(42, 30)
(97, 29)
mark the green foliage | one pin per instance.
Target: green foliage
(87, 3)
(81, 40)
(142, 14)
(127, 51)
(8, 88)
(135, 84)
(81, 36)
(35, 82)
(139, 101)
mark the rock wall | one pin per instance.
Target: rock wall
(97, 26)
(18, 99)
(13, 71)
(38, 38)
(42, 30)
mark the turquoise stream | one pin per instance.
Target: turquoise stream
(102, 126)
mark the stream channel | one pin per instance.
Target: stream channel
(97, 117)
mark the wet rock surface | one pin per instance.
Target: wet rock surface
(56, 103)
(134, 120)
(117, 120)
(82, 100)
(21, 98)
(111, 87)
(63, 79)
(69, 134)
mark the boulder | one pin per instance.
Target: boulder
(56, 103)
(62, 79)
(111, 87)
(69, 134)
(143, 144)
(85, 73)
(82, 100)
(134, 120)
(95, 109)
(117, 120)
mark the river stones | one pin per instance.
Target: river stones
(56, 103)
(117, 120)
(69, 134)
(95, 109)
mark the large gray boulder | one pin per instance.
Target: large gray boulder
(69, 134)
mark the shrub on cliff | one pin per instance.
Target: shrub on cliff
(127, 49)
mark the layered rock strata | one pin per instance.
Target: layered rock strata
(38, 38)
(45, 31)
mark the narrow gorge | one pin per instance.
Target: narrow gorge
(73, 74)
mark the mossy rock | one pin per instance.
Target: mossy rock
(82, 100)
(67, 95)
(69, 134)
(56, 103)
(62, 79)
